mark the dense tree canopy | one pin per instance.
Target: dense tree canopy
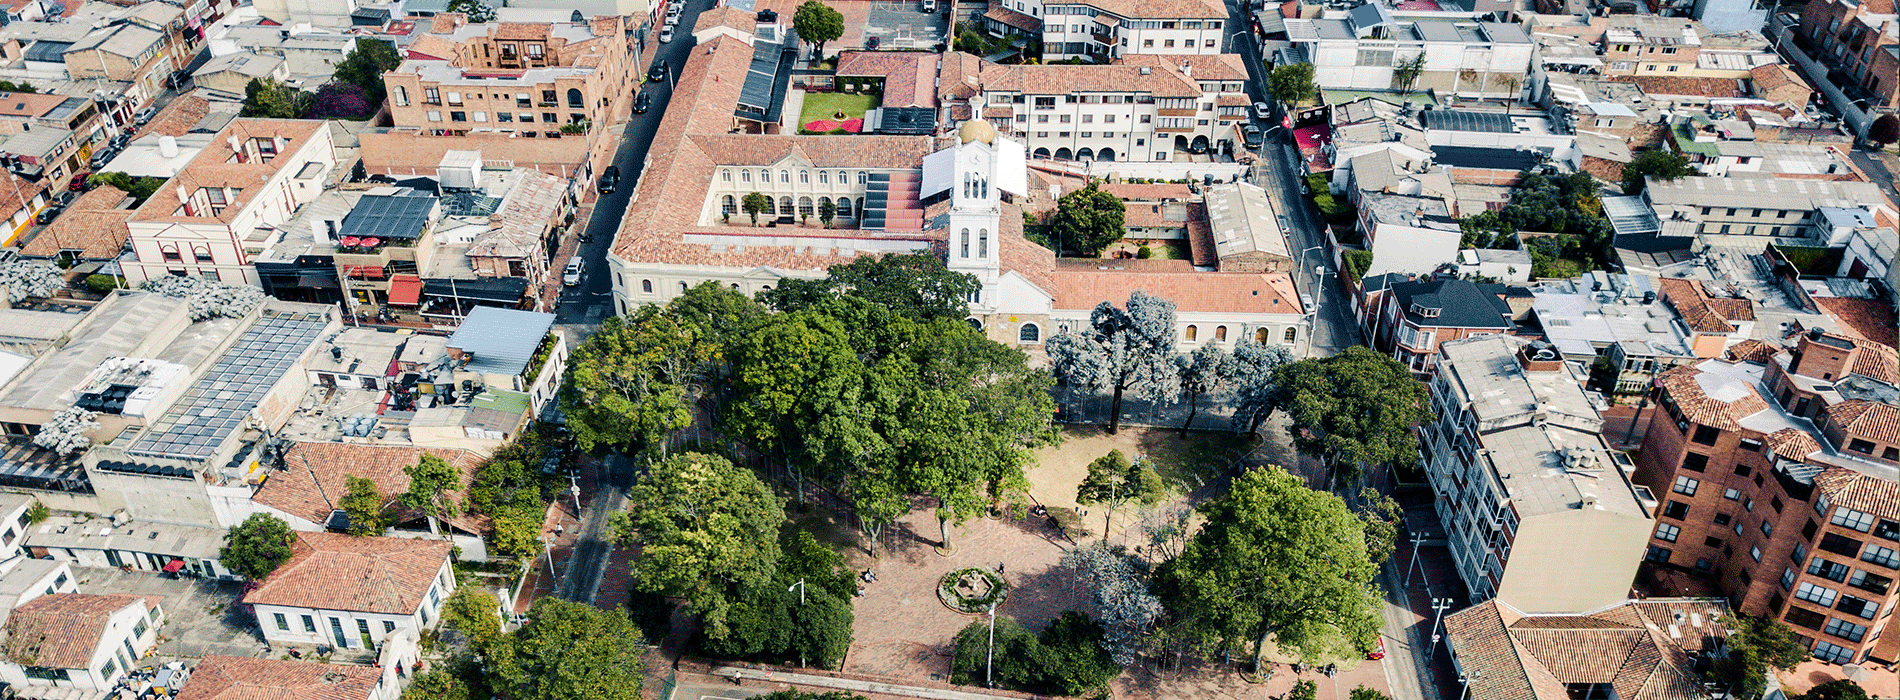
(140, 188)
(1067, 658)
(1277, 560)
(803, 616)
(1560, 204)
(1754, 645)
(1250, 382)
(364, 506)
(916, 285)
(256, 547)
(627, 383)
(432, 482)
(817, 24)
(1113, 479)
(1088, 220)
(475, 615)
(568, 651)
(707, 531)
(1656, 164)
(1122, 349)
(1119, 582)
(1885, 130)
(365, 65)
(1353, 409)
(266, 98)
(1292, 83)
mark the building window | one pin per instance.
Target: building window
(1695, 461)
(1845, 630)
(1705, 435)
(1852, 519)
(1657, 554)
(1676, 509)
(1687, 486)
(1787, 579)
(1029, 333)
(1883, 556)
(309, 625)
(785, 177)
(1190, 333)
(1833, 653)
(283, 623)
(1832, 571)
(1667, 532)
(1220, 333)
(804, 177)
(401, 94)
(1818, 595)
(1290, 334)
(646, 286)
(1858, 607)
(1732, 494)
(824, 177)
(1754, 553)
(1805, 618)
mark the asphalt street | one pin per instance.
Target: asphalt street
(595, 292)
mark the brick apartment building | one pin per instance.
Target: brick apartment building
(1775, 470)
(511, 78)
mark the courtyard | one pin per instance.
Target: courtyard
(822, 109)
(202, 616)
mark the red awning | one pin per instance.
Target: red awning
(363, 272)
(174, 566)
(405, 290)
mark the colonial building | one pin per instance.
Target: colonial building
(1104, 30)
(306, 602)
(78, 640)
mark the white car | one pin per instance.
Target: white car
(672, 20)
(571, 275)
(666, 35)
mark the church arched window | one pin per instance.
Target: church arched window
(983, 243)
(966, 244)
(1029, 333)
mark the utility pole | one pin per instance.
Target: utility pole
(1439, 605)
(1418, 538)
(574, 489)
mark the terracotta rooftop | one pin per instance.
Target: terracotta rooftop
(29, 105)
(329, 571)
(1013, 18)
(94, 226)
(217, 167)
(1159, 9)
(178, 118)
(1148, 191)
(1862, 492)
(910, 77)
(1224, 66)
(727, 16)
(1774, 76)
(1792, 443)
(1871, 319)
(239, 678)
(1752, 350)
(297, 492)
(1511, 656)
(1879, 422)
(1703, 313)
(1715, 88)
(62, 630)
(1680, 384)
(1210, 292)
(16, 192)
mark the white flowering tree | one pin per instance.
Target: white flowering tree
(1122, 349)
(29, 278)
(208, 299)
(68, 433)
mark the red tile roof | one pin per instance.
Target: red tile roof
(329, 571)
(238, 678)
(1511, 656)
(1867, 494)
(1704, 313)
(1752, 350)
(62, 630)
(1210, 292)
(1879, 422)
(1680, 384)
(910, 77)
(297, 492)
(213, 168)
(1014, 19)
(178, 118)
(94, 226)
(1688, 87)
(1792, 443)
(1870, 319)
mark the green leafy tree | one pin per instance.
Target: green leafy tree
(1088, 220)
(754, 204)
(1122, 349)
(627, 383)
(1120, 584)
(432, 483)
(817, 24)
(1405, 75)
(139, 188)
(517, 533)
(38, 513)
(459, 677)
(1066, 658)
(1013, 660)
(568, 651)
(268, 99)
(804, 616)
(827, 210)
(917, 285)
(477, 11)
(1352, 409)
(1364, 692)
(363, 504)
(1657, 164)
(1275, 561)
(10, 86)
(1113, 480)
(708, 531)
(1837, 689)
(1382, 516)
(1292, 83)
(365, 65)
(1755, 645)
(475, 615)
(256, 547)
(1884, 131)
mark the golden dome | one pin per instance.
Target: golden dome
(976, 130)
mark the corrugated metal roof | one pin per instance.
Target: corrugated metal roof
(502, 340)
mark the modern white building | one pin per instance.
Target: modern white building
(1464, 54)
(1143, 108)
(353, 592)
(1104, 30)
(1539, 512)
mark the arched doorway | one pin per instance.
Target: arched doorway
(1065, 154)
(974, 323)
(1199, 146)
(1041, 153)
(1180, 142)
(1085, 154)
(1105, 154)
(785, 206)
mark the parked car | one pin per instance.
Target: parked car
(571, 275)
(1199, 147)
(177, 79)
(658, 72)
(871, 43)
(102, 157)
(930, 5)
(144, 115)
(609, 179)
(51, 212)
(641, 102)
(666, 35)
(1252, 135)
(79, 183)
(672, 20)
(1262, 111)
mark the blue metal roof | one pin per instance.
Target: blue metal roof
(501, 340)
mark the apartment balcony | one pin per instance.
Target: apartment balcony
(1167, 112)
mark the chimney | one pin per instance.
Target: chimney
(167, 147)
(1187, 69)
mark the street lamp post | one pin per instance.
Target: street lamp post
(989, 663)
(1439, 605)
(1319, 294)
(1418, 538)
(1465, 682)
